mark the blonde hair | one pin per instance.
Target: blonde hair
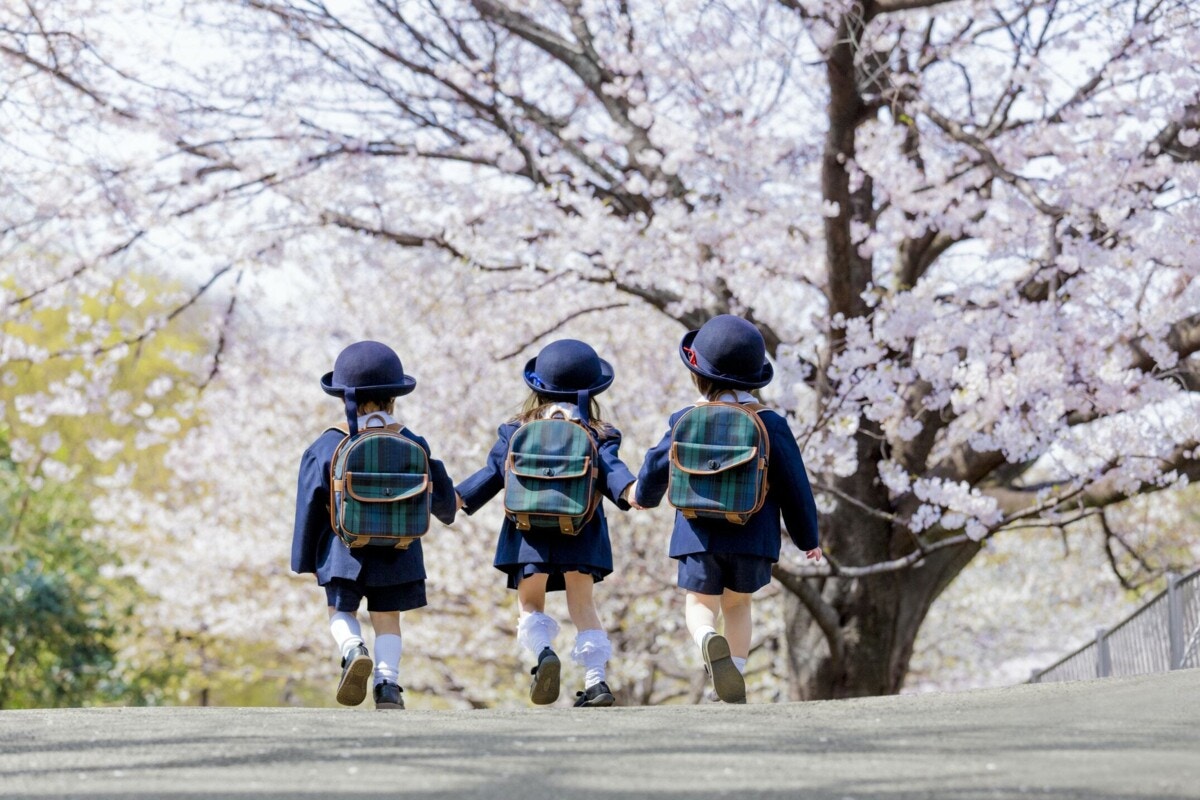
(377, 405)
(535, 406)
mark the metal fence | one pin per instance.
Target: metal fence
(1162, 635)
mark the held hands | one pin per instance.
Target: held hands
(629, 496)
(814, 554)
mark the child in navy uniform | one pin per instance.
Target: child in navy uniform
(368, 376)
(564, 379)
(721, 564)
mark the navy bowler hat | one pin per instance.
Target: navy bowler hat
(728, 350)
(370, 369)
(568, 370)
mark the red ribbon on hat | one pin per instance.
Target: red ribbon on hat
(691, 354)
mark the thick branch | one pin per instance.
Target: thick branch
(825, 615)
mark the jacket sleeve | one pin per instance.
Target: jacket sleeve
(488, 481)
(789, 484)
(443, 504)
(652, 479)
(615, 477)
(312, 512)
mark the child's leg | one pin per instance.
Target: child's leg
(535, 630)
(346, 630)
(700, 613)
(592, 648)
(581, 606)
(738, 625)
(356, 663)
(388, 646)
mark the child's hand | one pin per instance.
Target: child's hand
(628, 496)
(814, 554)
(458, 502)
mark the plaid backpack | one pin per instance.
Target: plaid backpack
(550, 476)
(381, 488)
(719, 455)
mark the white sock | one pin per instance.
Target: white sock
(699, 634)
(592, 651)
(388, 648)
(740, 663)
(536, 631)
(346, 631)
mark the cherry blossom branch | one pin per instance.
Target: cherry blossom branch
(582, 59)
(60, 75)
(988, 159)
(79, 270)
(1109, 536)
(878, 513)
(226, 320)
(516, 351)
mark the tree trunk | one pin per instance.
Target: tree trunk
(878, 616)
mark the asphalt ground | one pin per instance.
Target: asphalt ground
(1100, 740)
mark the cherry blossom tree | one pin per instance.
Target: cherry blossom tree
(966, 229)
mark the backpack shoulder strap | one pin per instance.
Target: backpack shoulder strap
(341, 427)
(757, 408)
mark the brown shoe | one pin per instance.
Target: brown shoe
(543, 689)
(357, 668)
(728, 683)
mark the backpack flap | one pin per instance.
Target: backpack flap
(384, 487)
(709, 459)
(539, 466)
(548, 485)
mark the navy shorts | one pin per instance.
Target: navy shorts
(713, 573)
(556, 582)
(346, 595)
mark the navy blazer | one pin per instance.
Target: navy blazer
(788, 494)
(590, 547)
(315, 547)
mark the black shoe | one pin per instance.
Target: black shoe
(543, 689)
(356, 672)
(387, 695)
(595, 696)
(727, 680)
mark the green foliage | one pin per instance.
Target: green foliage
(69, 620)
(97, 346)
(64, 614)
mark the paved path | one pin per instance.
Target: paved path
(1100, 740)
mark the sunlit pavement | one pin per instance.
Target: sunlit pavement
(1115, 738)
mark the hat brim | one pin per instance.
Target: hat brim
(706, 370)
(390, 389)
(569, 395)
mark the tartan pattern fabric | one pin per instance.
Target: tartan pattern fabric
(382, 491)
(718, 462)
(551, 473)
